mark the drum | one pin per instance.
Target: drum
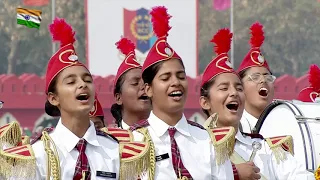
(300, 120)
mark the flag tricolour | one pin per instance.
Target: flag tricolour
(28, 17)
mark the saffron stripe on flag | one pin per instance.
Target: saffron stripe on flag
(29, 24)
(29, 12)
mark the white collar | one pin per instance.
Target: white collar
(242, 139)
(160, 127)
(124, 125)
(70, 140)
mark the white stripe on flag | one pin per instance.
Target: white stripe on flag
(32, 18)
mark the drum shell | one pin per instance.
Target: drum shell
(306, 134)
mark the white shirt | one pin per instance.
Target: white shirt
(196, 150)
(288, 169)
(124, 125)
(248, 122)
(102, 153)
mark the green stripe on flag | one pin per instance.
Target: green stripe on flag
(29, 24)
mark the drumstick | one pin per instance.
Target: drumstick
(255, 146)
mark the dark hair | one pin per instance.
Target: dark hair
(242, 73)
(149, 73)
(204, 91)
(102, 119)
(116, 108)
(49, 108)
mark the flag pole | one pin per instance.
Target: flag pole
(53, 14)
(231, 28)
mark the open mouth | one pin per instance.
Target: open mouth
(263, 92)
(176, 93)
(143, 97)
(82, 97)
(233, 106)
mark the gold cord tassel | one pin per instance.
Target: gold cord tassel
(18, 163)
(10, 135)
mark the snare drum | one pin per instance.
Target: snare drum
(299, 119)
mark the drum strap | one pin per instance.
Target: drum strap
(237, 159)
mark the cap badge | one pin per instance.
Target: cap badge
(260, 58)
(73, 57)
(168, 51)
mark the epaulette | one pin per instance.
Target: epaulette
(102, 133)
(253, 135)
(135, 159)
(140, 127)
(10, 133)
(280, 143)
(223, 139)
(122, 135)
(192, 123)
(18, 162)
(317, 174)
(37, 137)
(139, 124)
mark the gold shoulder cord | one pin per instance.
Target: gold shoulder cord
(148, 139)
(53, 162)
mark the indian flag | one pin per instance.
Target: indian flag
(29, 17)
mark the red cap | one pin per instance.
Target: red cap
(96, 109)
(65, 57)
(161, 50)
(127, 48)
(254, 57)
(312, 93)
(220, 64)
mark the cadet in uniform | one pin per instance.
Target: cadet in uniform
(257, 80)
(76, 148)
(311, 93)
(223, 100)
(132, 104)
(180, 149)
